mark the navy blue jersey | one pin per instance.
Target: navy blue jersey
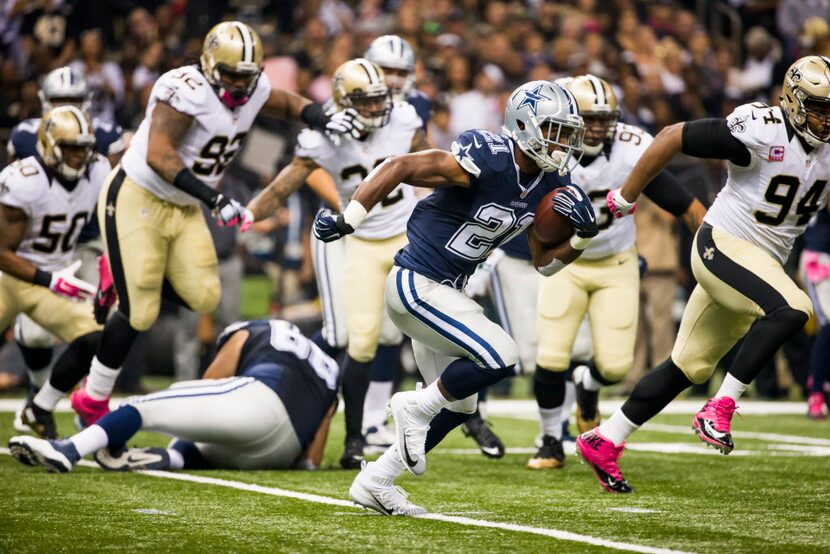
(455, 228)
(422, 105)
(518, 248)
(24, 138)
(280, 356)
(817, 235)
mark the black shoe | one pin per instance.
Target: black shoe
(353, 455)
(488, 442)
(550, 454)
(587, 403)
(39, 421)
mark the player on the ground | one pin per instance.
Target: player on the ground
(396, 58)
(60, 87)
(777, 180)
(604, 282)
(363, 260)
(265, 403)
(815, 272)
(486, 192)
(157, 241)
(45, 200)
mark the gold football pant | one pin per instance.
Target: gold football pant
(738, 282)
(608, 290)
(154, 245)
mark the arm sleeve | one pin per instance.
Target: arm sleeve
(711, 138)
(667, 192)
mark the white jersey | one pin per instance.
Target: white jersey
(608, 171)
(350, 161)
(55, 214)
(211, 142)
(770, 202)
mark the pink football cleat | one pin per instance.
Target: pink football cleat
(87, 408)
(815, 406)
(713, 423)
(601, 454)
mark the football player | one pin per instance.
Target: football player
(777, 180)
(157, 240)
(815, 272)
(353, 271)
(265, 403)
(605, 282)
(486, 192)
(60, 87)
(45, 200)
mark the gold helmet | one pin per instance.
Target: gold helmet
(598, 107)
(361, 85)
(806, 88)
(65, 126)
(234, 51)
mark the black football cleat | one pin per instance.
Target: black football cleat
(479, 430)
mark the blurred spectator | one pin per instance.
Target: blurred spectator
(755, 78)
(104, 78)
(48, 33)
(480, 108)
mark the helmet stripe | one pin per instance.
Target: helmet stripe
(81, 118)
(369, 67)
(599, 90)
(247, 42)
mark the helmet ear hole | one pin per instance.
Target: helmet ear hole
(520, 124)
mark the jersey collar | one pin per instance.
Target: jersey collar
(536, 181)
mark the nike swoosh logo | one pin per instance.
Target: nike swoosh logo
(142, 458)
(712, 431)
(409, 460)
(382, 507)
(475, 140)
(490, 449)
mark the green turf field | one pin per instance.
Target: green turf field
(771, 495)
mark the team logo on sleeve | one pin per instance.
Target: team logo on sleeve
(737, 125)
(776, 153)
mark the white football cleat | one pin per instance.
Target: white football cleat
(378, 439)
(129, 459)
(51, 454)
(411, 427)
(389, 500)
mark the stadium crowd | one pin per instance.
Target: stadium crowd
(666, 64)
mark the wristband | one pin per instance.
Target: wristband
(354, 214)
(43, 278)
(192, 185)
(553, 267)
(579, 243)
(313, 116)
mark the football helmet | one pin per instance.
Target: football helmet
(232, 50)
(397, 59)
(541, 114)
(64, 86)
(598, 107)
(806, 88)
(361, 85)
(65, 126)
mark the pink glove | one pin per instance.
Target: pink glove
(65, 283)
(246, 220)
(617, 205)
(105, 296)
(816, 268)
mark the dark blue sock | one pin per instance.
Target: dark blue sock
(333, 351)
(463, 377)
(820, 359)
(193, 458)
(120, 426)
(442, 424)
(483, 393)
(385, 364)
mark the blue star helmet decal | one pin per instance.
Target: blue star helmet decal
(532, 97)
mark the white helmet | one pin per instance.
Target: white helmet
(535, 117)
(64, 85)
(393, 52)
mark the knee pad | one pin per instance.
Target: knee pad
(609, 371)
(28, 333)
(142, 317)
(362, 348)
(208, 301)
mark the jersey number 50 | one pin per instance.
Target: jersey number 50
(493, 225)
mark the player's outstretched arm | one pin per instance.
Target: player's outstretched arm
(288, 105)
(324, 187)
(284, 184)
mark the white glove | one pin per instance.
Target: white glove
(477, 283)
(65, 283)
(228, 212)
(617, 205)
(343, 122)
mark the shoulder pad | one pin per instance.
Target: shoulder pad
(22, 183)
(405, 115)
(99, 167)
(482, 150)
(312, 144)
(755, 125)
(184, 89)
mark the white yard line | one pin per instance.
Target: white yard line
(459, 520)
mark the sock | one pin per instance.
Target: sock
(731, 387)
(617, 428)
(91, 439)
(820, 359)
(374, 408)
(551, 422)
(549, 388)
(47, 397)
(430, 400)
(764, 338)
(120, 425)
(39, 377)
(654, 391)
(176, 459)
(385, 364)
(101, 380)
(482, 408)
(117, 339)
(463, 377)
(192, 457)
(355, 382)
(333, 352)
(441, 425)
(570, 400)
(387, 467)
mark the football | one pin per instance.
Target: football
(551, 227)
